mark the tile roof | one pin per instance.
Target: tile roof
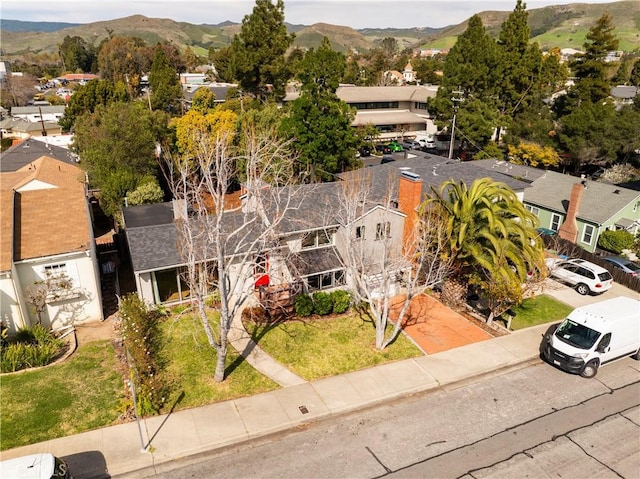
(44, 208)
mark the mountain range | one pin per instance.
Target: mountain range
(552, 26)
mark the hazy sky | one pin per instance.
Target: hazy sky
(353, 13)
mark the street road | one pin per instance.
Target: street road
(534, 422)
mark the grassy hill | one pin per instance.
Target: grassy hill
(561, 26)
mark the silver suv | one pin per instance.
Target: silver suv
(586, 277)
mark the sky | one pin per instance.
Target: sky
(357, 14)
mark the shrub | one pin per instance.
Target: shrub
(143, 340)
(322, 303)
(615, 241)
(30, 347)
(341, 301)
(304, 305)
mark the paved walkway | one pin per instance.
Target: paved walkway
(434, 327)
(242, 342)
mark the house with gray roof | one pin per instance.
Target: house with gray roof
(312, 234)
(24, 152)
(598, 206)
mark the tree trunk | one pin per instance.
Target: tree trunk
(220, 363)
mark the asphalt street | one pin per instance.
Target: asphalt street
(533, 422)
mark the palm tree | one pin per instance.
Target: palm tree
(492, 236)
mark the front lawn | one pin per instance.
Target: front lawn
(192, 363)
(539, 310)
(80, 394)
(316, 348)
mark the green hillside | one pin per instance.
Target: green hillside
(554, 26)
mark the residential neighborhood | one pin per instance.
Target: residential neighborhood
(242, 244)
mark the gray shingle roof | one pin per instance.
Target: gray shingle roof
(29, 150)
(313, 261)
(600, 201)
(154, 239)
(433, 170)
(552, 190)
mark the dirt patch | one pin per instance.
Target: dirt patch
(95, 331)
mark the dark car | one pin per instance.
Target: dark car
(365, 151)
(383, 149)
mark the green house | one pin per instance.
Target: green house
(578, 209)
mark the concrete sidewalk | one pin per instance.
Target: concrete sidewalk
(119, 449)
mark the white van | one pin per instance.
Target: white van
(595, 335)
(35, 466)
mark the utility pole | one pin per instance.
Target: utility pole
(455, 99)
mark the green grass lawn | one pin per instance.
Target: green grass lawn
(80, 394)
(316, 348)
(192, 364)
(539, 310)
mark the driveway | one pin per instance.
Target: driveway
(434, 327)
(570, 296)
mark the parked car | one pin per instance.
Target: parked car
(411, 145)
(427, 143)
(36, 466)
(395, 146)
(364, 151)
(383, 149)
(584, 276)
(387, 159)
(624, 264)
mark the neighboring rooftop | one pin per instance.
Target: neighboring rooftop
(29, 150)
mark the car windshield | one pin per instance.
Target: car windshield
(577, 335)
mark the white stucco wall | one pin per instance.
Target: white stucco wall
(10, 313)
(86, 306)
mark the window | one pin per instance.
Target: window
(62, 275)
(61, 281)
(317, 238)
(360, 232)
(555, 221)
(587, 234)
(420, 105)
(534, 209)
(383, 230)
(331, 279)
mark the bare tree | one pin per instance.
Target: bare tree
(48, 290)
(221, 243)
(388, 268)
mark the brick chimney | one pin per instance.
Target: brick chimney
(409, 198)
(569, 229)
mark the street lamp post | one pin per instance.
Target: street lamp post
(456, 99)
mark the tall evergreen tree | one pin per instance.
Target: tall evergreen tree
(469, 84)
(166, 91)
(259, 50)
(320, 123)
(520, 65)
(590, 68)
(77, 55)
